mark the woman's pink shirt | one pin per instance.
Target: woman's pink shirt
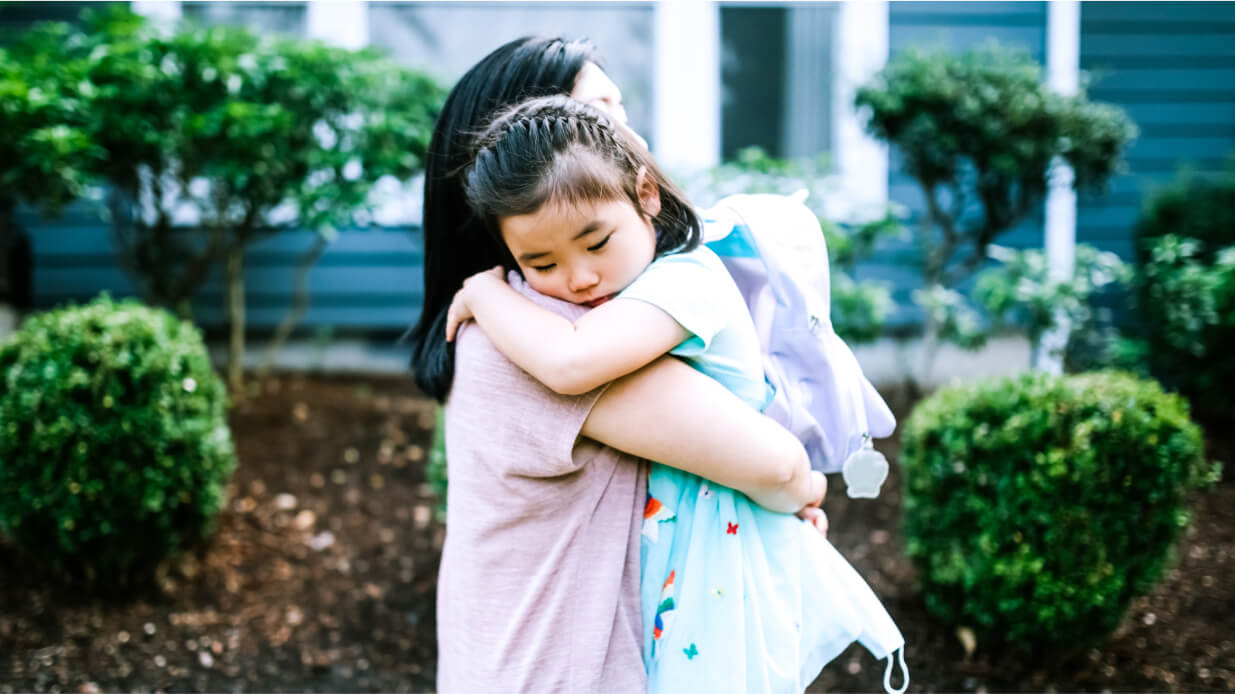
(539, 583)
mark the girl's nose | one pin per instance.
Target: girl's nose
(583, 279)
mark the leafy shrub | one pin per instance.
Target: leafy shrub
(1185, 253)
(114, 450)
(1020, 291)
(1037, 507)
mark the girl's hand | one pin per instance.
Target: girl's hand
(459, 310)
(811, 513)
(816, 517)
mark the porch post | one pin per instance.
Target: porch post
(1063, 52)
(343, 24)
(861, 51)
(686, 101)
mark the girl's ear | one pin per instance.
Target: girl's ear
(649, 193)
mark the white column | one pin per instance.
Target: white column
(344, 23)
(686, 95)
(1063, 59)
(861, 52)
(166, 12)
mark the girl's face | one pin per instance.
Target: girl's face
(586, 253)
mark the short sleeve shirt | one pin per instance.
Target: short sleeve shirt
(538, 589)
(696, 290)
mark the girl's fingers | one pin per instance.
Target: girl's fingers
(816, 517)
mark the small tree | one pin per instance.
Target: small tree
(252, 136)
(45, 152)
(980, 133)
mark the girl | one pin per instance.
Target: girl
(735, 597)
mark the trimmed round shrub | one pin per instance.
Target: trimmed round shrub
(115, 449)
(1185, 254)
(1037, 507)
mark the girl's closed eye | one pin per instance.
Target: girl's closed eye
(545, 268)
(602, 243)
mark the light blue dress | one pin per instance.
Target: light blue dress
(736, 598)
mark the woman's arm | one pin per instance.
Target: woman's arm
(670, 413)
(569, 358)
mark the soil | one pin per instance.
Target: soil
(322, 577)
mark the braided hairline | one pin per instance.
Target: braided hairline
(547, 112)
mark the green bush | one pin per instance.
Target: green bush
(1037, 507)
(115, 449)
(435, 471)
(1185, 253)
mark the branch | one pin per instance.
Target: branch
(299, 305)
(937, 259)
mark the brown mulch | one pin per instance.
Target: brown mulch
(322, 577)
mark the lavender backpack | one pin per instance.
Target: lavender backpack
(774, 248)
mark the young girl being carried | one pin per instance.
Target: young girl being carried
(736, 597)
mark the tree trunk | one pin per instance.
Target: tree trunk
(299, 306)
(930, 349)
(235, 316)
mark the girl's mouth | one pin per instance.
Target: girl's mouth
(596, 302)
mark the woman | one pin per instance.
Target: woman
(538, 588)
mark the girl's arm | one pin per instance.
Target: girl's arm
(671, 413)
(608, 342)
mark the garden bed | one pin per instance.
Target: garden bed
(322, 577)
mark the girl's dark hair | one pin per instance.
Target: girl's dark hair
(457, 244)
(557, 150)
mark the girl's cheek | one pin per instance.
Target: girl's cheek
(543, 284)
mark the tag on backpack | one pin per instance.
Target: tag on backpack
(864, 472)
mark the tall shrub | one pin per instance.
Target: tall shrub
(1037, 507)
(980, 134)
(114, 446)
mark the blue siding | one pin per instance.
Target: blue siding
(368, 280)
(1172, 66)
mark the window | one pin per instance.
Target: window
(776, 78)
